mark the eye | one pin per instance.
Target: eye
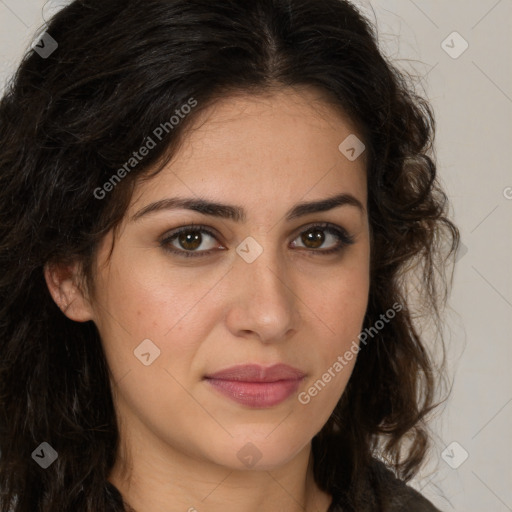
(314, 237)
(189, 238)
(186, 241)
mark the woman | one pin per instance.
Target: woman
(210, 217)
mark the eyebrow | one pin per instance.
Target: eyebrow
(237, 213)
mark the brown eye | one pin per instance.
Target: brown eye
(313, 238)
(186, 241)
(190, 240)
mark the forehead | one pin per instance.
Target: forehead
(298, 115)
(244, 147)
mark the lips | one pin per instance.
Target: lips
(257, 373)
(257, 386)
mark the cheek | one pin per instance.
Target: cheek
(146, 300)
(342, 300)
(147, 295)
(341, 304)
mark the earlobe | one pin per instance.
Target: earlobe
(62, 280)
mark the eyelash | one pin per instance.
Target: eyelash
(344, 239)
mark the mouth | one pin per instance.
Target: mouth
(256, 386)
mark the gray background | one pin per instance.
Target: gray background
(471, 93)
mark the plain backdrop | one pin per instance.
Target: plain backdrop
(460, 52)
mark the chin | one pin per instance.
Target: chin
(258, 451)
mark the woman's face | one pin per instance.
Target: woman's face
(261, 290)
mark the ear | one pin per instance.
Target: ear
(62, 281)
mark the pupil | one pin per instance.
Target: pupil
(315, 236)
(190, 241)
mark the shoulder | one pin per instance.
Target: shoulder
(382, 491)
(400, 496)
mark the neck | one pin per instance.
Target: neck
(160, 478)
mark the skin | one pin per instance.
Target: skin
(180, 437)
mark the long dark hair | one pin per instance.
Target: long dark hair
(70, 119)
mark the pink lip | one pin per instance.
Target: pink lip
(257, 386)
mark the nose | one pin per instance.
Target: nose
(263, 300)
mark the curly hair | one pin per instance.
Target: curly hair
(69, 121)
